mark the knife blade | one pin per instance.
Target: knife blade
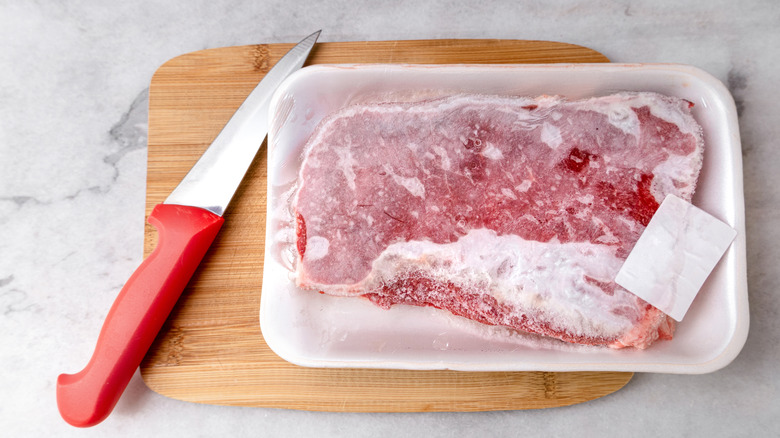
(187, 223)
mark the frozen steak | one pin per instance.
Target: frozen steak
(509, 211)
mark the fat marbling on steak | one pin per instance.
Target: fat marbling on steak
(509, 211)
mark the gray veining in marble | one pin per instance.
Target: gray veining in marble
(73, 96)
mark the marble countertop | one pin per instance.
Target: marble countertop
(73, 98)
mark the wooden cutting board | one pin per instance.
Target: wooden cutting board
(211, 349)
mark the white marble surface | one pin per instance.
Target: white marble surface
(73, 96)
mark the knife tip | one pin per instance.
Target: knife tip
(315, 34)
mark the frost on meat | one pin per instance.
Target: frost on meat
(505, 210)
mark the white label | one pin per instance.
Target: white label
(674, 256)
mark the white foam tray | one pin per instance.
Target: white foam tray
(311, 329)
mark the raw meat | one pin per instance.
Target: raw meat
(510, 211)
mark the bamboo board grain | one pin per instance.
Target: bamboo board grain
(211, 349)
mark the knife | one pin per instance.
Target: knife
(187, 222)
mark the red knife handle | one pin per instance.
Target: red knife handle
(185, 234)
